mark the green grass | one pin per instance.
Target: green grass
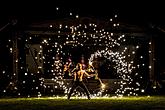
(51, 103)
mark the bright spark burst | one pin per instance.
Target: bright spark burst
(78, 37)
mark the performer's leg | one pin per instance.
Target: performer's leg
(66, 74)
(83, 86)
(72, 89)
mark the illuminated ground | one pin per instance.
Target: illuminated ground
(112, 103)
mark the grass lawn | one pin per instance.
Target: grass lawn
(61, 103)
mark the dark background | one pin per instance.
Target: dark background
(143, 13)
(136, 11)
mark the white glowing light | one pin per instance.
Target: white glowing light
(77, 16)
(57, 8)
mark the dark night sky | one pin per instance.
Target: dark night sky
(135, 11)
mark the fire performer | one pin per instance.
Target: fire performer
(91, 69)
(67, 68)
(78, 80)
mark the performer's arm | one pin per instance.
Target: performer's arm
(89, 75)
(74, 76)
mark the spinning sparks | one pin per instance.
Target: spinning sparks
(61, 40)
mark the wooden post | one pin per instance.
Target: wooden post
(152, 59)
(15, 59)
